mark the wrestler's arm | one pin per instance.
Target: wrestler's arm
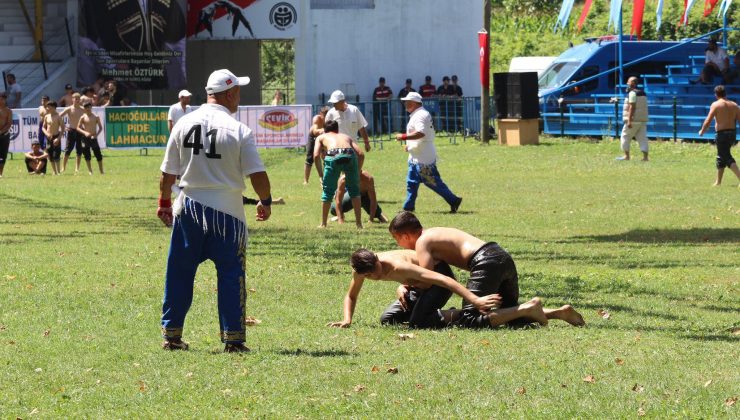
(709, 118)
(99, 128)
(317, 147)
(422, 275)
(8, 121)
(373, 198)
(45, 128)
(360, 154)
(350, 301)
(339, 196)
(79, 126)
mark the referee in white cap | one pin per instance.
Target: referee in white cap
(177, 110)
(211, 152)
(350, 119)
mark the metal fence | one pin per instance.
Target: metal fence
(452, 117)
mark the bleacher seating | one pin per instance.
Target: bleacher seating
(677, 107)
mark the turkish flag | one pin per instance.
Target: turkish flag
(584, 13)
(485, 63)
(638, 9)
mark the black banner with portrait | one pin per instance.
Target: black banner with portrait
(139, 43)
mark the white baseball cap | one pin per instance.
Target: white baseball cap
(336, 96)
(184, 92)
(413, 97)
(221, 80)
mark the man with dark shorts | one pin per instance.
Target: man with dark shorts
(342, 156)
(492, 270)
(52, 129)
(317, 129)
(726, 115)
(74, 138)
(36, 159)
(368, 199)
(89, 127)
(42, 114)
(429, 290)
(6, 122)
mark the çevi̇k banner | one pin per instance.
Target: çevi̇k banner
(140, 43)
(282, 126)
(243, 19)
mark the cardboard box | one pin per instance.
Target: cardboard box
(518, 132)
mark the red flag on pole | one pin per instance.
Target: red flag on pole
(484, 59)
(584, 13)
(637, 11)
(683, 15)
(709, 6)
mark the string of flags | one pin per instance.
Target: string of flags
(638, 11)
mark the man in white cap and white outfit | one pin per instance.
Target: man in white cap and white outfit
(419, 138)
(349, 118)
(211, 152)
(177, 110)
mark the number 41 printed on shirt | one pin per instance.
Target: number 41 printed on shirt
(193, 141)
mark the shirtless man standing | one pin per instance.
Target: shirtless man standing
(317, 129)
(42, 114)
(6, 121)
(53, 131)
(89, 126)
(492, 269)
(433, 289)
(342, 155)
(74, 138)
(726, 115)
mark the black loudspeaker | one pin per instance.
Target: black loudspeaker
(516, 95)
(500, 94)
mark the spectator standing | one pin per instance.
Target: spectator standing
(635, 117)
(726, 115)
(208, 215)
(716, 63)
(277, 99)
(402, 94)
(15, 92)
(317, 129)
(350, 119)
(6, 122)
(381, 107)
(36, 159)
(422, 160)
(427, 90)
(74, 137)
(89, 93)
(105, 100)
(42, 113)
(458, 98)
(445, 93)
(66, 100)
(179, 109)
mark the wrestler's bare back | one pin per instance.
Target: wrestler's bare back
(450, 245)
(726, 114)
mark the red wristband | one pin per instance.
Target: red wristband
(164, 203)
(404, 136)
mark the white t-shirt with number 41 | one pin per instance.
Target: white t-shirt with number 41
(212, 153)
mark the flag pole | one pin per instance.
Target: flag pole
(621, 68)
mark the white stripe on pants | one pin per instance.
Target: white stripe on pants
(639, 132)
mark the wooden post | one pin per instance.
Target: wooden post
(37, 29)
(485, 109)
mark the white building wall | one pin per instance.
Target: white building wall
(398, 39)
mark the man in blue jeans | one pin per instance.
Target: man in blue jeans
(419, 139)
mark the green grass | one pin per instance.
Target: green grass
(81, 277)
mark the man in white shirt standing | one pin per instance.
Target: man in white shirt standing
(419, 139)
(179, 109)
(635, 117)
(349, 118)
(211, 152)
(15, 92)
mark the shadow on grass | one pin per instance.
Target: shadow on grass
(314, 353)
(678, 332)
(691, 236)
(618, 262)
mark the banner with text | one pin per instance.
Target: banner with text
(143, 126)
(140, 43)
(278, 126)
(26, 126)
(243, 19)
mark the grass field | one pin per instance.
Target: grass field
(81, 277)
